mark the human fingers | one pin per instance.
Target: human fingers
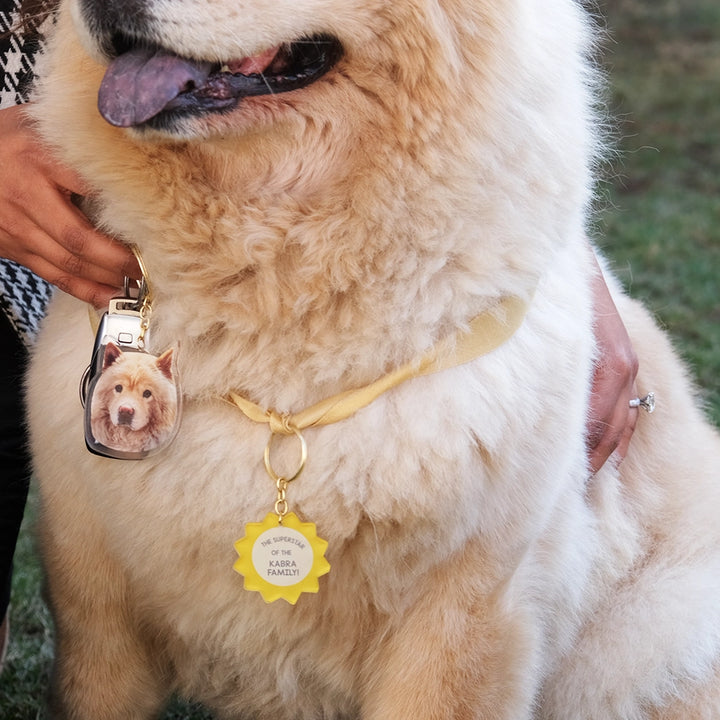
(611, 421)
(87, 251)
(624, 441)
(38, 217)
(84, 250)
(97, 294)
(75, 232)
(59, 235)
(610, 429)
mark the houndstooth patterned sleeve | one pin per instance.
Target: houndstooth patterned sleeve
(23, 295)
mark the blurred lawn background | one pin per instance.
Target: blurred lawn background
(659, 222)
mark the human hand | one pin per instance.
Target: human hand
(42, 229)
(611, 421)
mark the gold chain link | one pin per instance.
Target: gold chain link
(145, 311)
(281, 504)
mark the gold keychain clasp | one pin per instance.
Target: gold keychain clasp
(282, 482)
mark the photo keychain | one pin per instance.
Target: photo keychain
(131, 397)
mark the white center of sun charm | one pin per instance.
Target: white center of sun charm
(281, 560)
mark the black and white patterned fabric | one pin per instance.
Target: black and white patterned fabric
(23, 295)
(16, 59)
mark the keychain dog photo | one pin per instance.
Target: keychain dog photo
(131, 397)
(133, 403)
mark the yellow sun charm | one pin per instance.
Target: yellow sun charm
(281, 560)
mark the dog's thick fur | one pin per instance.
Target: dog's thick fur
(307, 243)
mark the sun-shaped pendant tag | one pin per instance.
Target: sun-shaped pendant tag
(281, 560)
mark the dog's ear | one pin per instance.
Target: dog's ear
(112, 353)
(164, 363)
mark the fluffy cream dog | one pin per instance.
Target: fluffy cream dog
(322, 191)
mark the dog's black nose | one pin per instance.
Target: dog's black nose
(125, 416)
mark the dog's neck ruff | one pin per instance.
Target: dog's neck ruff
(486, 332)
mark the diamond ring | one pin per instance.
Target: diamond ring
(647, 403)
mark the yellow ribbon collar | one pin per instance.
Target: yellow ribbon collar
(487, 331)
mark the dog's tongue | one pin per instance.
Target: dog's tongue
(141, 82)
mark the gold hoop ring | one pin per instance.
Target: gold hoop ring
(145, 287)
(303, 458)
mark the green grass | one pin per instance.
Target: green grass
(660, 224)
(23, 682)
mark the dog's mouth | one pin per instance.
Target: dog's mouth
(146, 84)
